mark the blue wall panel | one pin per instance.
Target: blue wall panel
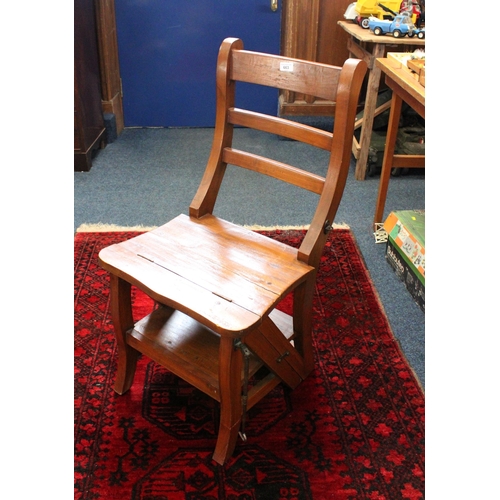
(168, 52)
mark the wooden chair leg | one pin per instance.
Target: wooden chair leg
(121, 314)
(302, 322)
(230, 366)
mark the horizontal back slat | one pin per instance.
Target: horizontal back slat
(275, 125)
(314, 79)
(273, 168)
(340, 85)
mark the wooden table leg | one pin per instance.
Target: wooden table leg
(369, 112)
(390, 145)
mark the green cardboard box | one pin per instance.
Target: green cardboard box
(406, 230)
(405, 250)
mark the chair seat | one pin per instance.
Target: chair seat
(225, 276)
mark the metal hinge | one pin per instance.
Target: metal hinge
(238, 344)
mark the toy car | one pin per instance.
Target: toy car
(360, 11)
(420, 33)
(400, 26)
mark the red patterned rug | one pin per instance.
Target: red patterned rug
(354, 429)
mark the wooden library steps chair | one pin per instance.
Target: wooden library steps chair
(216, 285)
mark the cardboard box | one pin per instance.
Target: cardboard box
(405, 273)
(405, 250)
(406, 228)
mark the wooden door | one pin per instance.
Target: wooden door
(310, 31)
(168, 52)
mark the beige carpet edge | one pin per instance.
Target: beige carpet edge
(105, 228)
(100, 227)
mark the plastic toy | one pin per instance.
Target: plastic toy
(413, 8)
(420, 33)
(400, 26)
(360, 11)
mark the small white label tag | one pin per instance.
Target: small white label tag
(286, 66)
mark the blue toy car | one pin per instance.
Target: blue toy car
(398, 27)
(420, 33)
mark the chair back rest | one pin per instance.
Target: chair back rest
(339, 84)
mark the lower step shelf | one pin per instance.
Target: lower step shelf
(191, 351)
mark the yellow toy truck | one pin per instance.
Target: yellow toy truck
(360, 11)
